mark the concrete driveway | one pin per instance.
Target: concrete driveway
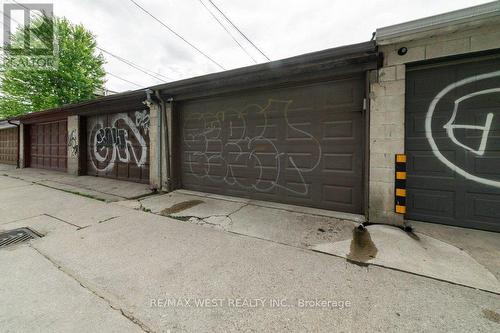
(109, 267)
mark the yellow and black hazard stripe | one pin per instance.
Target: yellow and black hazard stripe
(400, 182)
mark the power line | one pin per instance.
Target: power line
(118, 57)
(125, 80)
(128, 62)
(146, 71)
(227, 18)
(227, 30)
(176, 34)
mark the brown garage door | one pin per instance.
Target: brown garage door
(118, 146)
(48, 145)
(8, 146)
(301, 145)
(453, 143)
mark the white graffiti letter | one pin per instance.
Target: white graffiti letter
(450, 126)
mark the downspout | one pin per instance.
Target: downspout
(150, 100)
(163, 122)
(159, 145)
(18, 141)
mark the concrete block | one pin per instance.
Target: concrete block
(446, 48)
(373, 76)
(377, 90)
(390, 146)
(390, 88)
(22, 159)
(389, 104)
(382, 175)
(381, 160)
(73, 145)
(387, 131)
(400, 72)
(391, 57)
(381, 200)
(485, 41)
(383, 192)
(386, 217)
(387, 74)
(394, 88)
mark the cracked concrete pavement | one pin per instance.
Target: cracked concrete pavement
(37, 296)
(100, 188)
(304, 227)
(450, 255)
(105, 267)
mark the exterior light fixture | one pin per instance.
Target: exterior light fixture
(402, 51)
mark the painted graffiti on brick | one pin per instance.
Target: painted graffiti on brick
(248, 145)
(124, 140)
(452, 126)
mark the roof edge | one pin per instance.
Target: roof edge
(69, 108)
(260, 71)
(461, 16)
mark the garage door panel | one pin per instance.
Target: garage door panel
(118, 146)
(8, 146)
(487, 166)
(339, 195)
(436, 203)
(122, 171)
(453, 164)
(424, 163)
(298, 189)
(346, 93)
(338, 129)
(483, 208)
(339, 162)
(48, 145)
(279, 145)
(415, 126)
(423, 87)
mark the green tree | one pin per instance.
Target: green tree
(78, 73)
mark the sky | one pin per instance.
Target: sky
(281, 29)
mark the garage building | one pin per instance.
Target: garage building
(290, 131)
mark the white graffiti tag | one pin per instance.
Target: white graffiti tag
(112, 144)
(142, 120)
(450, 126)
(246, 154)
(73, 143)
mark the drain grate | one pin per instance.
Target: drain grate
(16, 236)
